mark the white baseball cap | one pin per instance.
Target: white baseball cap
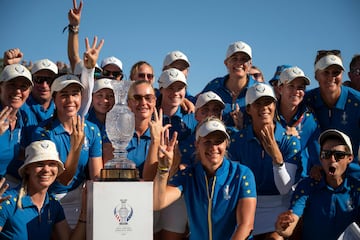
(63, 81)
(209, 125)
(39, 151)
(173, 56)
(111, 60)
(170, 76)
(327, 61)
(206, 97)
(238, 47)
(289, 74)
(257, 91)
(14, 71)
(335, 133)
(102, 83)
(44, 64)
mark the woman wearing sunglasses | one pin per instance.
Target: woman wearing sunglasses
(334, 105)
(326, 207)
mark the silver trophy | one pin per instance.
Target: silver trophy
(120, 127)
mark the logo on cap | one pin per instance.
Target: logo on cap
(178, 55)
(259, 88)
(45, 63)
(173, 74)
(44, 145)
(20, 69)
(239, 46)
(210, 95)
(296, 71)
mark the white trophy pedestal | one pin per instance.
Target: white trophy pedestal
(119, 210)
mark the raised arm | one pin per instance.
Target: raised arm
(164, 195)
(91, 55)
(74, 17)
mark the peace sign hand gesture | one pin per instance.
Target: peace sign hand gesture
(92, 53)
(74, 14)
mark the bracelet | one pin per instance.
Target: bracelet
(72, 29)
(279, 164)
(81, 221)
(163, 169)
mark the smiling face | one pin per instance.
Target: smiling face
(334, 168)
(103, 100)
(14, 93)
(68, 101)
(292, 93)
(211, 150)
(173, 95)
(42, 174)
(238, 64)
(262, 111)
(212, 108)
(142, 100)
(330, 79)
(42, 80)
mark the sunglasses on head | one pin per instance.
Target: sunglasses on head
(322, 53)
(148, 75)
(115, 74)
(338, 155)
(148, 97)
(41, 80)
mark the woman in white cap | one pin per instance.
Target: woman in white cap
(15, 87)
(31, 212)
(335, 105)
(78, 141)
(220, 194)
(272, 156)
(296, 118)
(232, 87)
(172, 84)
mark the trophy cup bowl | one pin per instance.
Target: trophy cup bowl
(120, 127)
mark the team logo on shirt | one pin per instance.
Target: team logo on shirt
(226, 192)
(344, 118)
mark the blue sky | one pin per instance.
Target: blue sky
(279, 31)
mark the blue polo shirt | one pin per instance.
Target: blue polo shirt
(138, 149)
(52, 129)
(91, 116)
(39, 111)
(218, 86)
(183, 123)
(28, 222)
(11, 143)
(344, 116)
(326, 211)
(247, 149)
(211, 203)
(308, 128)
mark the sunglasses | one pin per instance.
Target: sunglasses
(356, 71)
(41, 80)
(148, 75)
(256, 75)
(148, 98)
(322, 53)
(338, 155)
(115, 74)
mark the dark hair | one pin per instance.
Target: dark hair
(354, 60)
